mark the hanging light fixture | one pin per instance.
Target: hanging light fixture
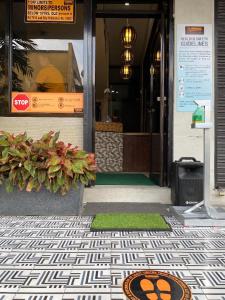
(158, 56)
(128, 36)
(127, 57)
(126, 72)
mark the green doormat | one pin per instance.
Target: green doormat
(129, 221)
(122, 179)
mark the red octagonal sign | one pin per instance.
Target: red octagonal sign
(21, 102)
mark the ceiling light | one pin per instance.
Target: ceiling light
(128, 36)
(126, 72)
(127, 57)
(127, 3)
(158, 56)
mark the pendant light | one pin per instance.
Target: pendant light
(158, 56)
(127, 57)
(128, 36)
(126, 72)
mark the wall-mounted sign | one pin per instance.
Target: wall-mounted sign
(194, 65)
(50, 11)
(47, 102)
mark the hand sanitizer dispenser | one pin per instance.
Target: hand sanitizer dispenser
(201, 116)
(198, 115)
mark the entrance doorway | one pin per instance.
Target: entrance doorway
(132, 97)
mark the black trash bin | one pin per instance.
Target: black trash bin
(186, 181)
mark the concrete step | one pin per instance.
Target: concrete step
(121, 193)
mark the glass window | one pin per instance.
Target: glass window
(3, 60)
(47, 62)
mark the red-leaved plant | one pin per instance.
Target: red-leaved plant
(31, 165)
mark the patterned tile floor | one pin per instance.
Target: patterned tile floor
(54, 258)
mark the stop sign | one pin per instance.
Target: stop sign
(21, 102)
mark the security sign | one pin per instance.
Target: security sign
(21, 102)
(155, 285)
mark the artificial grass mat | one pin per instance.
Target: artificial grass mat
(129, 222)
(122, 179)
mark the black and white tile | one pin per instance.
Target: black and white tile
(59, 258)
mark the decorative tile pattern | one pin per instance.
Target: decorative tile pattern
(58, 258)
(109, 151)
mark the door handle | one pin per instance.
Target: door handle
(159, 98)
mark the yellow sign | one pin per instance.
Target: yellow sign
(47, 102)
(50, 11)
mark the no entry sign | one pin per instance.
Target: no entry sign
(21, 102)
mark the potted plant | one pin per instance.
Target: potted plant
(42, 177)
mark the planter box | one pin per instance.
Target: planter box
(41, 203)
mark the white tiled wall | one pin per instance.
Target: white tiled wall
(71, 129)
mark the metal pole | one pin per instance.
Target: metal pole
(88, 130)
(9, 50)
(162, 98)
(151, 114)
(207, 170)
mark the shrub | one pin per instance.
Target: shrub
(31, 165)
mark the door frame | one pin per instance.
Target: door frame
(89, 63)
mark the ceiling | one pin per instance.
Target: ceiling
(113, 28)
(124, 8)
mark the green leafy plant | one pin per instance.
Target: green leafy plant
(31, 165)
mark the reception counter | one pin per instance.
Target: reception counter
(109, 146)
(109, 151)
(125, 152)
(136, 152)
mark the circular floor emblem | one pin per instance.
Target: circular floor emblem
(155, 285)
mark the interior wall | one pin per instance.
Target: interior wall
(71, 129)
(187, 141)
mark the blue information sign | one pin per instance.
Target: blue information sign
(194, 65)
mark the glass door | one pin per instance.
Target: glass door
(119, 78)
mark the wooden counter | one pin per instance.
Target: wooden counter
(127, 152)
(137, 156)
(109, 127)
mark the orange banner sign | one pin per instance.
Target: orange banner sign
(50, 11)
(47, 102)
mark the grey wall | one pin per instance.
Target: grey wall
(187, 141)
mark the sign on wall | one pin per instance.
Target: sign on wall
(47, 102)
(194, 65)
(50, 11)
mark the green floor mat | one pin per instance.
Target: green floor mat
(122, 179)
(129, 221)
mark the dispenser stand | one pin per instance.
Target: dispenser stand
(201, 214)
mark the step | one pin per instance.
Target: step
(121, 193)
